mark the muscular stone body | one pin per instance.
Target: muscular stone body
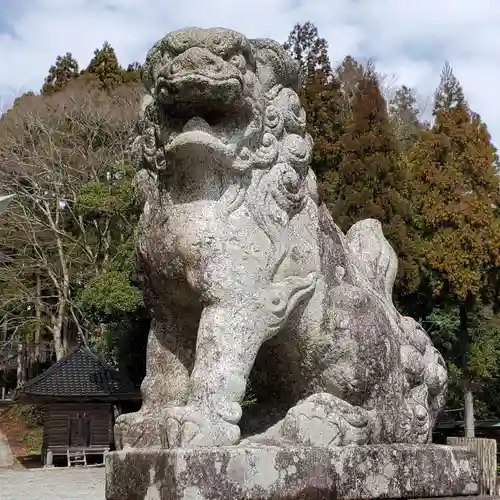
(241, 262)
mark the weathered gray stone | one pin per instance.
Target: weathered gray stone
(6, 458)
(278, 473)
(246, 274)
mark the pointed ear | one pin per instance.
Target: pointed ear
(375, 256)
(271, 55)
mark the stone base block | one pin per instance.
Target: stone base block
(272, 473)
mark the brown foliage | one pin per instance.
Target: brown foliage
(456, 197)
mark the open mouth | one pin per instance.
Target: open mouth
(218, 125)
(197, 138)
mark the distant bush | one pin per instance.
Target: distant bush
(30, 415)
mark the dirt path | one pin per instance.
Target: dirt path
(23, 442)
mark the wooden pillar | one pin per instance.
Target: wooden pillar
(486, 451)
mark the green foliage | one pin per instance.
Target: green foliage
(320, 95)
(105, 66)
(111, 196)
(109, 295)
(64, 70)
(444, 326)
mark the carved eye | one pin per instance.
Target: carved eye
(238, 60)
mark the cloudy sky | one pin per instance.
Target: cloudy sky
(410, 39)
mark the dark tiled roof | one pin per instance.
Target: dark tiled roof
(79, 376)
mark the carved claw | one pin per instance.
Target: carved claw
(320, 420)
(192, 426)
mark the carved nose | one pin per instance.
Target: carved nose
(196, 60)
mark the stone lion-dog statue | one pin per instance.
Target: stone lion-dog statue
(246, 274)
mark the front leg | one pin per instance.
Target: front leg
(230, 335)
(168, 360)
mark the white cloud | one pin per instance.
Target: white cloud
(410, 39)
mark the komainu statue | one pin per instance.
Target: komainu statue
(246, 275)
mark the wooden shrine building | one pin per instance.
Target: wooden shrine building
(79, 395)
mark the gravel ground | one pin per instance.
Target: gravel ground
(52, 484)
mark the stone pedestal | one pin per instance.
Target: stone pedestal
(486, 452)
(272, 473)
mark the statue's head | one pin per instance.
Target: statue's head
(223, 102)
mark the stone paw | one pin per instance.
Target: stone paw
(320, 420)
(140, 429)
(192, 426)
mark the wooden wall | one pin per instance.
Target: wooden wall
(58, 418)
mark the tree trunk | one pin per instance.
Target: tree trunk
(21, 363)
(38, 312)
(5, 328)
(65, 336)
(57, 329)
(465, 345)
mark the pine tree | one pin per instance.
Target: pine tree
(64, 70)
(455, 195)
(105, 66)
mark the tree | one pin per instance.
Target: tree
(449, 93)
(311, 51)
(105, 66)
(368, 180)
(133, 73)
(404, 114)
(319, 95)
(64, 70)
(455, 198)
(61, 153)
(349, 74)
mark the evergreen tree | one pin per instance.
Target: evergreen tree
(455, 198)
(133, 73)
(404, 113)
(368, 181)
(349, 74)
(449, 93)
(319, 95)
(306, 46)
(64, 69)
(105, 66)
